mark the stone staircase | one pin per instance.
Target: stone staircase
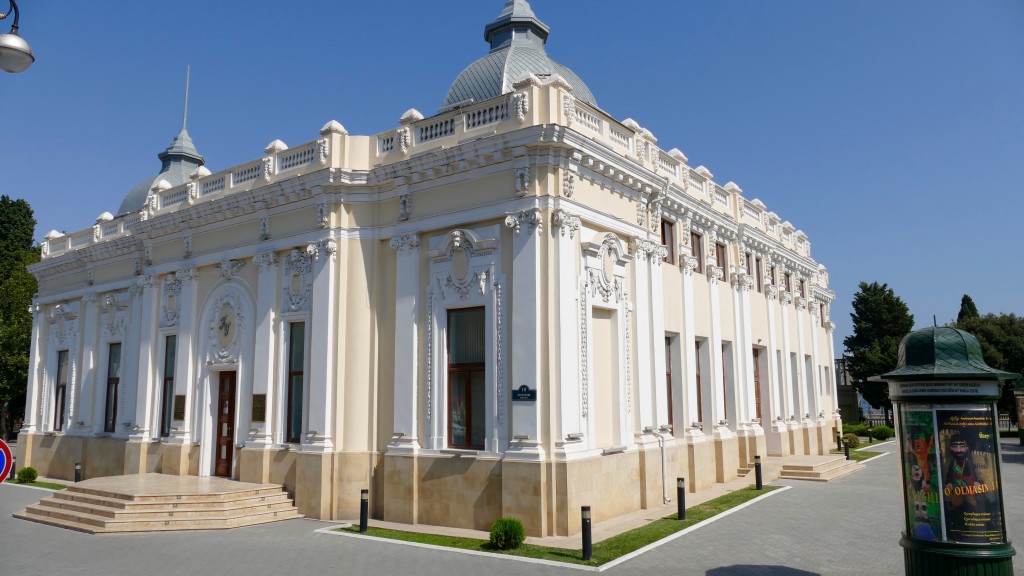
(820, 469)
(814, 468)
(97, 509)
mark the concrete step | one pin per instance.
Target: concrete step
(823, 472)
(95, 510)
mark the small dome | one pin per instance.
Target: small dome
(517, 41)
(941, 352)
(178, 161)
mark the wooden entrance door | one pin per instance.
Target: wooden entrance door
(225, 425)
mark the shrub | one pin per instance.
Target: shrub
(852, 440)
(858, 429)
(27, 475)
(882, 432)
(507, 533)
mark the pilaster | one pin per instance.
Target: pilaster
(85, 398)
(571, 323)
(144, 380)
(264, 365)
(322, 348)
(184, 359)
(33, 421)
(405, 436)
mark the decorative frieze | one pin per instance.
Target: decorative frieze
(499, 391)
(171, 308)
(297, 281)
(226, 325)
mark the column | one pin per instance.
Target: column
(264, 367)
(33, 396)
(184, 359)
(526, 323)
(85, 399)
(405, 436)
(148, 345)
(322, 351)
(643, 250)
(689, 352)
(571, 425)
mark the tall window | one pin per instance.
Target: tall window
(113, 382)
(697, 250)
(720, 260)
(759, 274)
(700, 404)
(60, 390)
(775, 280)
(757, 383)
(668, 238)
(296, 379)
(167, 404)
(803, 289)
(821, 313)
(668, 377)
(748, 261)
(787, 280)
(466, 378)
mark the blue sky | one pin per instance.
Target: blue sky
(889, 132)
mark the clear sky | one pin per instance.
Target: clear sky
(889, 132)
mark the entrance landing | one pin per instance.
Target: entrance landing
(161, 502)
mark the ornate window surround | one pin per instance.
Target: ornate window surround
(62, 334)
(463, 274)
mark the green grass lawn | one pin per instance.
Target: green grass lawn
(859, 455)
(604, 551)
(47, 485)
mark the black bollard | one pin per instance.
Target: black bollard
(364, 509)
(14, 468)
(846, 449)
(588, 545)
(78, 472)
(757, 472)
(681, 498)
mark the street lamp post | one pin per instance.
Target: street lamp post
(15, 54)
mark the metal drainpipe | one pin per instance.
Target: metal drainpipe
(664, 466)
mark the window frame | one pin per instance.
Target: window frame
(167, 391)
(293, 328)
(668, 239)
(760, 273)
(60, 389)
(721, 257)
(110, 399)
(465, 370)
(697, 250)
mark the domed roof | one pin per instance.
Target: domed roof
(517, 41)
(943, 352)
(179, 160)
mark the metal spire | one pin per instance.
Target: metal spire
(184, 115)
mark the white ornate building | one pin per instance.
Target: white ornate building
(516, 306)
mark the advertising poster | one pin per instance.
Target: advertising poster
(970, 487)
(920, 477)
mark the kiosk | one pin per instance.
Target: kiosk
(944, 396)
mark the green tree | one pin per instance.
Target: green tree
(967, 309)
(17, 286)
(880, 321)
(1002, 344)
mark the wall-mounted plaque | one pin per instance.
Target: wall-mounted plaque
(523, 394)
(179, 407)
(259, 407)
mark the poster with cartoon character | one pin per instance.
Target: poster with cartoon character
(920, 480)
(970, 487)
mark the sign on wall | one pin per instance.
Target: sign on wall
(6, 460)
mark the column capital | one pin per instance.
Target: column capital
(531, 217)
(406, 243)
(265, 260)
(565, 221)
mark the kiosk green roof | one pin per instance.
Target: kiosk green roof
(943, 354)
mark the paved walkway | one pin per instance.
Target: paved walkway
(850, 526)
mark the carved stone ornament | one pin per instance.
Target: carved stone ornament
(522, 180)
(404, 207)
(402, 135)
(569, 107)
(63, 327)
(172, 302)
(521, 103)
(193, 193)
(405, 242)
(584, 352)
(230, 268)
(89, 277)
(322, 215)
(715, 273)
(268, 168)
(188, 247)
(265, 260)
(569, 181)
(604, 282)
(297, 280)
(529, 217)
(264, 228)
(689, 265)
(323, 150)
(565, 221)
(787, 297)
(771, 291)
(227, 323)
(460, 276)
(115, 324)
(323, 248)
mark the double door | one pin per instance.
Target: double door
(225, 448)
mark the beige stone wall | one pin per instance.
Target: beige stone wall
(54, 456)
